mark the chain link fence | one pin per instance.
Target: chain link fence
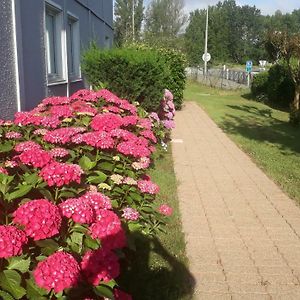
(220, 78)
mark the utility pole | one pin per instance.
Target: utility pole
(206, 40)
(133, 31)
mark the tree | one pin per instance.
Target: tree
(287, 46)
(235, 33)
(164, 20)
(124, 31)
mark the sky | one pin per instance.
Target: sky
(267, 7)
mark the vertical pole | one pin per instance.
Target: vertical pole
(133, 31)
(248, 83)
(206, 40)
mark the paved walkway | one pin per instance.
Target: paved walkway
(242, 231)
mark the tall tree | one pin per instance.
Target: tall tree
(128, 12)
(164, 20)
(287, 46)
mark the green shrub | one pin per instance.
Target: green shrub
(276, 86)
(281, 88)
(176, 63)
(131, 74)
(259, 85)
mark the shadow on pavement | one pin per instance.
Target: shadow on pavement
(169, 281)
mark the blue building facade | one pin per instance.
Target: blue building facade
(41, 42)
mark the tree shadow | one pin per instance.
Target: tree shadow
(260, 125)
(170, 280)
(279, 106)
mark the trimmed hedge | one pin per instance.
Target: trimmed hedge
(176, 62)
(275, 86)
(129, 73)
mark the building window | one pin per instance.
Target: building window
(54, 50)
(73, 48)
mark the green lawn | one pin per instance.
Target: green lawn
(159, 268)
(262, 132)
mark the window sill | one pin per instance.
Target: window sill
(73, 80)
(59, 82)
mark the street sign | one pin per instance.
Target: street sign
(206, 57)
(249, 65)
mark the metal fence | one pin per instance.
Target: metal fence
(221, 78)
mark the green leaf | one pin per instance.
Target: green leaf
(100, 177)
(31, 179)
(48, 246)
(19, 263)
(91, 243)
(5, 296)
(107, 166)
(20, 192)
(6, 147)
(104, 291)
(33, 291)
(10, 281)
(135, 196)
(86, 164)
(47, 194)
(79, 228)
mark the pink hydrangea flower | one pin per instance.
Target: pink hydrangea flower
(12, 240)
(50, 121)
(129, 181)
(56, 101)
(120, 295)
(123, 134)
(154, 116)
(40, 218)
(169, 124)
(130, 120)
(109, 230)
(98, 139)
(143, 163)
(61, 135)
(98, 201)
(124, 104)
(165, 210)
(149, 135)
(108, 96)
(145, 123)
(130, 214)
(137, 147)
(59, 152)
(147, 186)
(100, 266)
(40, 131)
(106, 122)
(59, 271)
(13, 135)
(29, 145)
(80, 211)
(35, 157)
(59, 174)
(64, 111)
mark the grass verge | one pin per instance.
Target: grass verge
(159, 267)
(262, 132)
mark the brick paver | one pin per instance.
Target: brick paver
(242, 232)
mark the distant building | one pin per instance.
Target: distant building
(40, 47)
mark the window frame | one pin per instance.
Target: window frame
(73, 57)
(59, 47)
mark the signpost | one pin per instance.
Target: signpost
(206, 57)
(249, 65)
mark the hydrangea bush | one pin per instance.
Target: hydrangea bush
(73, 187)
